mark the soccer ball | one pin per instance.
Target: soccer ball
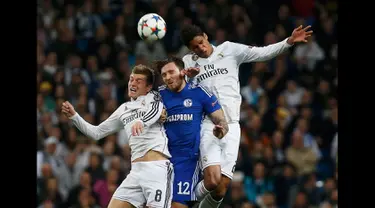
(151, 27)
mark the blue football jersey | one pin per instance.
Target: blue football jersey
(186, 109)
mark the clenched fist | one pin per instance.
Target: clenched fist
(190, 72)
(67, 109)
(219, 131)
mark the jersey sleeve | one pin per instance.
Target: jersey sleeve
(245, 53)
(155, 109)
(209, 100)
(186, 61)
(187, 64)
(111, 125)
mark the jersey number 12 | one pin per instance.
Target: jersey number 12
(184, 186)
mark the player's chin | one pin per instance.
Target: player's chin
(203, 55)
(133, 95)
(172, 87)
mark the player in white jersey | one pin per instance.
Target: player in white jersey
(147, 140)
(217, 69)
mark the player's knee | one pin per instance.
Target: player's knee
(212, 177)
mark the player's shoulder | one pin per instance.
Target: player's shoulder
(153, 96)
(229, 45)
(200, 89)
(162, 88)
(190, 57)
(122, 107)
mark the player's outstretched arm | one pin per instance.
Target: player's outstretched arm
(111, 125)
(221, 126)
(265, 53)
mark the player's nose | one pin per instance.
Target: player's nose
(202, 48)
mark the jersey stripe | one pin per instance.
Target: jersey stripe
(152, 113)
(206, 91)
(194, 183)
(162, 87)
(168, 191)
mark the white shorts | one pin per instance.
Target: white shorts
(148, 183)
(223, 152)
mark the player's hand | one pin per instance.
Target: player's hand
(190, 72)
(67, 109)
(163, 116)
(219, 131)
(137, 128)
(300, 35)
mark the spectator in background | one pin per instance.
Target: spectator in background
(303, 158)
(278, 146)
(257, 184)
(300, 201)
(308, 186)
(46, 173)
(267, 200)
(48, 156)
(52, 192)
(84, 184)
(283, 183)
(95, 167)
(86, 25)
(293, 94)
(67, 175)
(105, 188)
(150, 51)
(236, 194)
(308, 55)
(252, 91)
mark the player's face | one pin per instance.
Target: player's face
(172, 77)
(137, 86)
(200, 46)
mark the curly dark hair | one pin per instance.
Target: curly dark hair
(158, 65)
(188, 33)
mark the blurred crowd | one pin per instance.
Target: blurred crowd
(288, 151)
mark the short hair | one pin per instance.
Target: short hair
(145, 70)
(172, 59)
(189, 32)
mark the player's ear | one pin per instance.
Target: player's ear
(182, 72)
(149, 88)
(205, 36)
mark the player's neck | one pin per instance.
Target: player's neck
(182, 86)
(212, 51)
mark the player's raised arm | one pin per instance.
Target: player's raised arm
(252, 53)
(215, 112)
(111, 125)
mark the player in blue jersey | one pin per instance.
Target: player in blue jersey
(186, 106)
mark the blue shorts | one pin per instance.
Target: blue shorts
(186, 177)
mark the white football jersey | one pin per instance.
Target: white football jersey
(145, 108)
(219, 72)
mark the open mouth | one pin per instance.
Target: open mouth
(132, 89)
